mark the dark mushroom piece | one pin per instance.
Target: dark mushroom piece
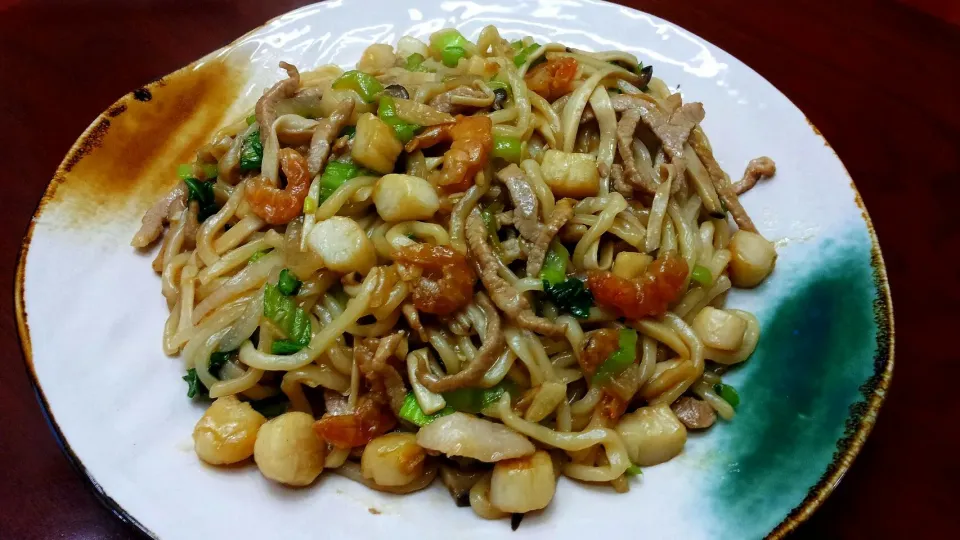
(499, 98)
(646, 73)
(396, 91)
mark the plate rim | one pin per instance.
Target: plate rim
(862, 414)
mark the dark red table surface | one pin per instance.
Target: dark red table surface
(879, 79)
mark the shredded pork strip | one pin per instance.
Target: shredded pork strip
(505, 296)
(493, 343)
(325, 134)
(673, 132)
(698, 141)
(266, 110)
(525, 213)
(159, 215)
(562, 213)
(378, 371)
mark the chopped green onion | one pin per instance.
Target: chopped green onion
(554, 269)
(634, 470)
(411, 412)
(571, 296)
(309, 205)
(251, 120)
(251, 152)
(728, 393)
(209, 170)
(362, 83)
(451, 56)
(288, 283)
(507, 148)
(517, 45)
(387, 112)
(701, 274)
(445, 39)
(334, 176)
(185, 170)
(258, 255)
(521, 57)
(202, 192)
(414, 62)
(619, 359)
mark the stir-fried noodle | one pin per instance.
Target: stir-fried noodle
(494, 262)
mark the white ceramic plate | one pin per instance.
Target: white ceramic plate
(91, 313)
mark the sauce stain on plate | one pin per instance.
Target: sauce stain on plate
(129, 155)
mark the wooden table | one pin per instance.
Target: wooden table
(875, 77)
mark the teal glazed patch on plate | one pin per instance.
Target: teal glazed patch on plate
(789, 421)
(809, 395)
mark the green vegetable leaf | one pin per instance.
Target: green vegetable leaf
(475, 400)
(284, 346)
(334, 175)
(251, 120)
(272, 406)
(701, 274)
(571, 296)
(202, 192)
(411, 411)
(634, 470)
(258, 255)
(217, 360)
(277, 306)
(350, 131)
(728, 393)
(620, 359)
(288, 283)
(195, 388)
(555, 263)
(251, 152)
(282, 309)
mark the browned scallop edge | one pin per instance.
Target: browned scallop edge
(863, 414)
(858, 426)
